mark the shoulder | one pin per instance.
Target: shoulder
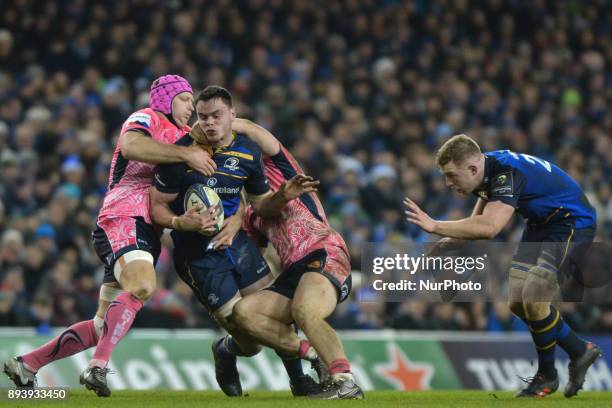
(185, 140)
(500, 161)
(245, 145)
(145, 117)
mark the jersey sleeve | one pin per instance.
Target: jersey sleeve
(168, 177)
(257, 184)
(507, 187)
(142, 121)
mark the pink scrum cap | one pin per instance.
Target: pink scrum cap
(163, 91)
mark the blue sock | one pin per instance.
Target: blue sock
(544, 334)
(293, 365)
(573, 345)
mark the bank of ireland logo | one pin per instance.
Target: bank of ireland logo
(231, 163)
(213, 299)
(211, 182)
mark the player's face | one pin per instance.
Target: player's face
(182, 108)
(461, 178)
(215, 118)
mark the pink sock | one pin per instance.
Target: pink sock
(340, 365)
(78, 337)
(304, 347)
(117, 321)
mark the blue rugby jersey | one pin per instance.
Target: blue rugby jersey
(539, 190)
(238, 165)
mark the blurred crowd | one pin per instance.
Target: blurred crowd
(361, 91)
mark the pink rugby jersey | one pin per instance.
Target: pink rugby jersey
(129, 181)
(302, 226)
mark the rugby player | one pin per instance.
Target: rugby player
(221, 273)
(125, 239)
(315, 274)
(558, 216)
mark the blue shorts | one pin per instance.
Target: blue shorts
(218, 276)
(557, 247)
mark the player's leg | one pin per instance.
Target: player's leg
(315, 299)
(254, 274)
(213, 282)
(519, 271)
(135, 249)
(76, 338)
(325, 283)
(266, 316)
(546, 324)
(565, 256)
(526, 303)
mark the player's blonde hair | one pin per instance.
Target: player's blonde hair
(457, 149)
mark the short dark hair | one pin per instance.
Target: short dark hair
(213, 92)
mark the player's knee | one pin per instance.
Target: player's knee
(301, 314)
(537, 290)
(250, 349)
(143, 290)
(241, 314)
(517, 308)
(537, 310)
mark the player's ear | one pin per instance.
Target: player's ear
(233, 112)
(473, 169)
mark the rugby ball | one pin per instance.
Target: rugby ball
(201, 194)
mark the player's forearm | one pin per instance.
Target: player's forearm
(144, 149)
(476, 227)
(262, 137)
(162, 215)
(270, 206)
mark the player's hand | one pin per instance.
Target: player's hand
(415, 215)
(241, 125)
(445, 244)
(193, 220)
(298, 185)
(199, 159)
(225, 237)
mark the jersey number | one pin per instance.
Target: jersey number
(532, 160)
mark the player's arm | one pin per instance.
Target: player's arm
(266, 141)
(494, 217)
(446, 243)
(191, 220)
(165, 189)
(269, 204)
(138, 146)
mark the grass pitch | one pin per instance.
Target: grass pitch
(256, 399)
